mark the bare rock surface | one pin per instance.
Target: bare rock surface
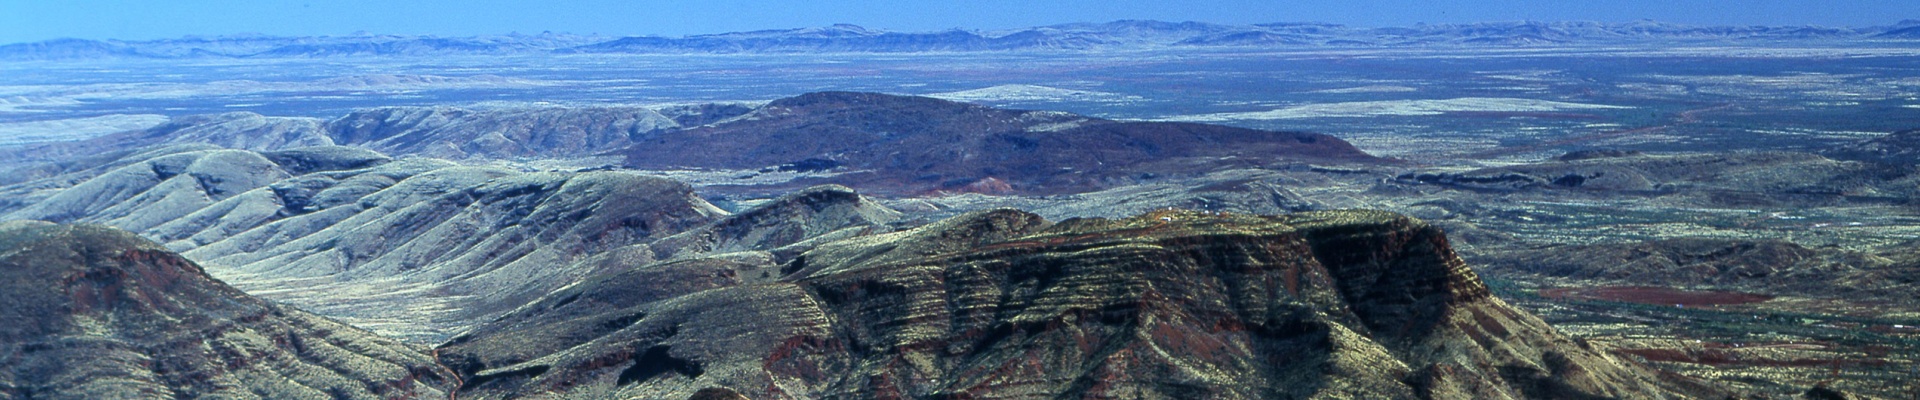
(411, 247)
(1004, 304)
(144, 194)
(827, 211)
(303, 160)
(456, 133)
(94, 312)
(691, 115)
(235, 130)
(443, 248)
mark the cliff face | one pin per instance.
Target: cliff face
(1003, 304)
(94, 312)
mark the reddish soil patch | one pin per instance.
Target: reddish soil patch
(1655, 295)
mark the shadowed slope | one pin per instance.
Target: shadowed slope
(398, 246)
(817, 214)
(441, 249)
(1898, 148)
(736, 249)
(94, 312)
(1002, 304)
(456, 133)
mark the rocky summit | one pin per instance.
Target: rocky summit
(94, 312)
(1004, 304)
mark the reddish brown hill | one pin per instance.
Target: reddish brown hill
(92, 312)
(908, 144)
(1002, 304)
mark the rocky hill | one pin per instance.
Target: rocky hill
(877, 142)
(1898, 148)
(907, 145)
(1757, 266)
(350, 233)
(417, 247)
(809, 216)
(95, 312)
(146, 189)
(440, 132)
(455, 133)
(236, 130)
(616, 284)
(1729, 179)
(440, 248)
(1003, 304)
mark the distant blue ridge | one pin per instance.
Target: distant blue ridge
(1117, 35)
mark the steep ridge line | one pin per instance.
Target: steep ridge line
(97, 312)
(1002, 304)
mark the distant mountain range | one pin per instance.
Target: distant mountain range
(1117, 35)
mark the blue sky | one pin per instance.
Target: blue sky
(33, 20)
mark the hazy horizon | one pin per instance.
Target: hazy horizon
(29, 21)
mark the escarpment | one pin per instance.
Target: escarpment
(1003, 304)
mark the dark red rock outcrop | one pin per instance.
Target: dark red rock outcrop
(94, 312)
(906, 144)
(1002, 304)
